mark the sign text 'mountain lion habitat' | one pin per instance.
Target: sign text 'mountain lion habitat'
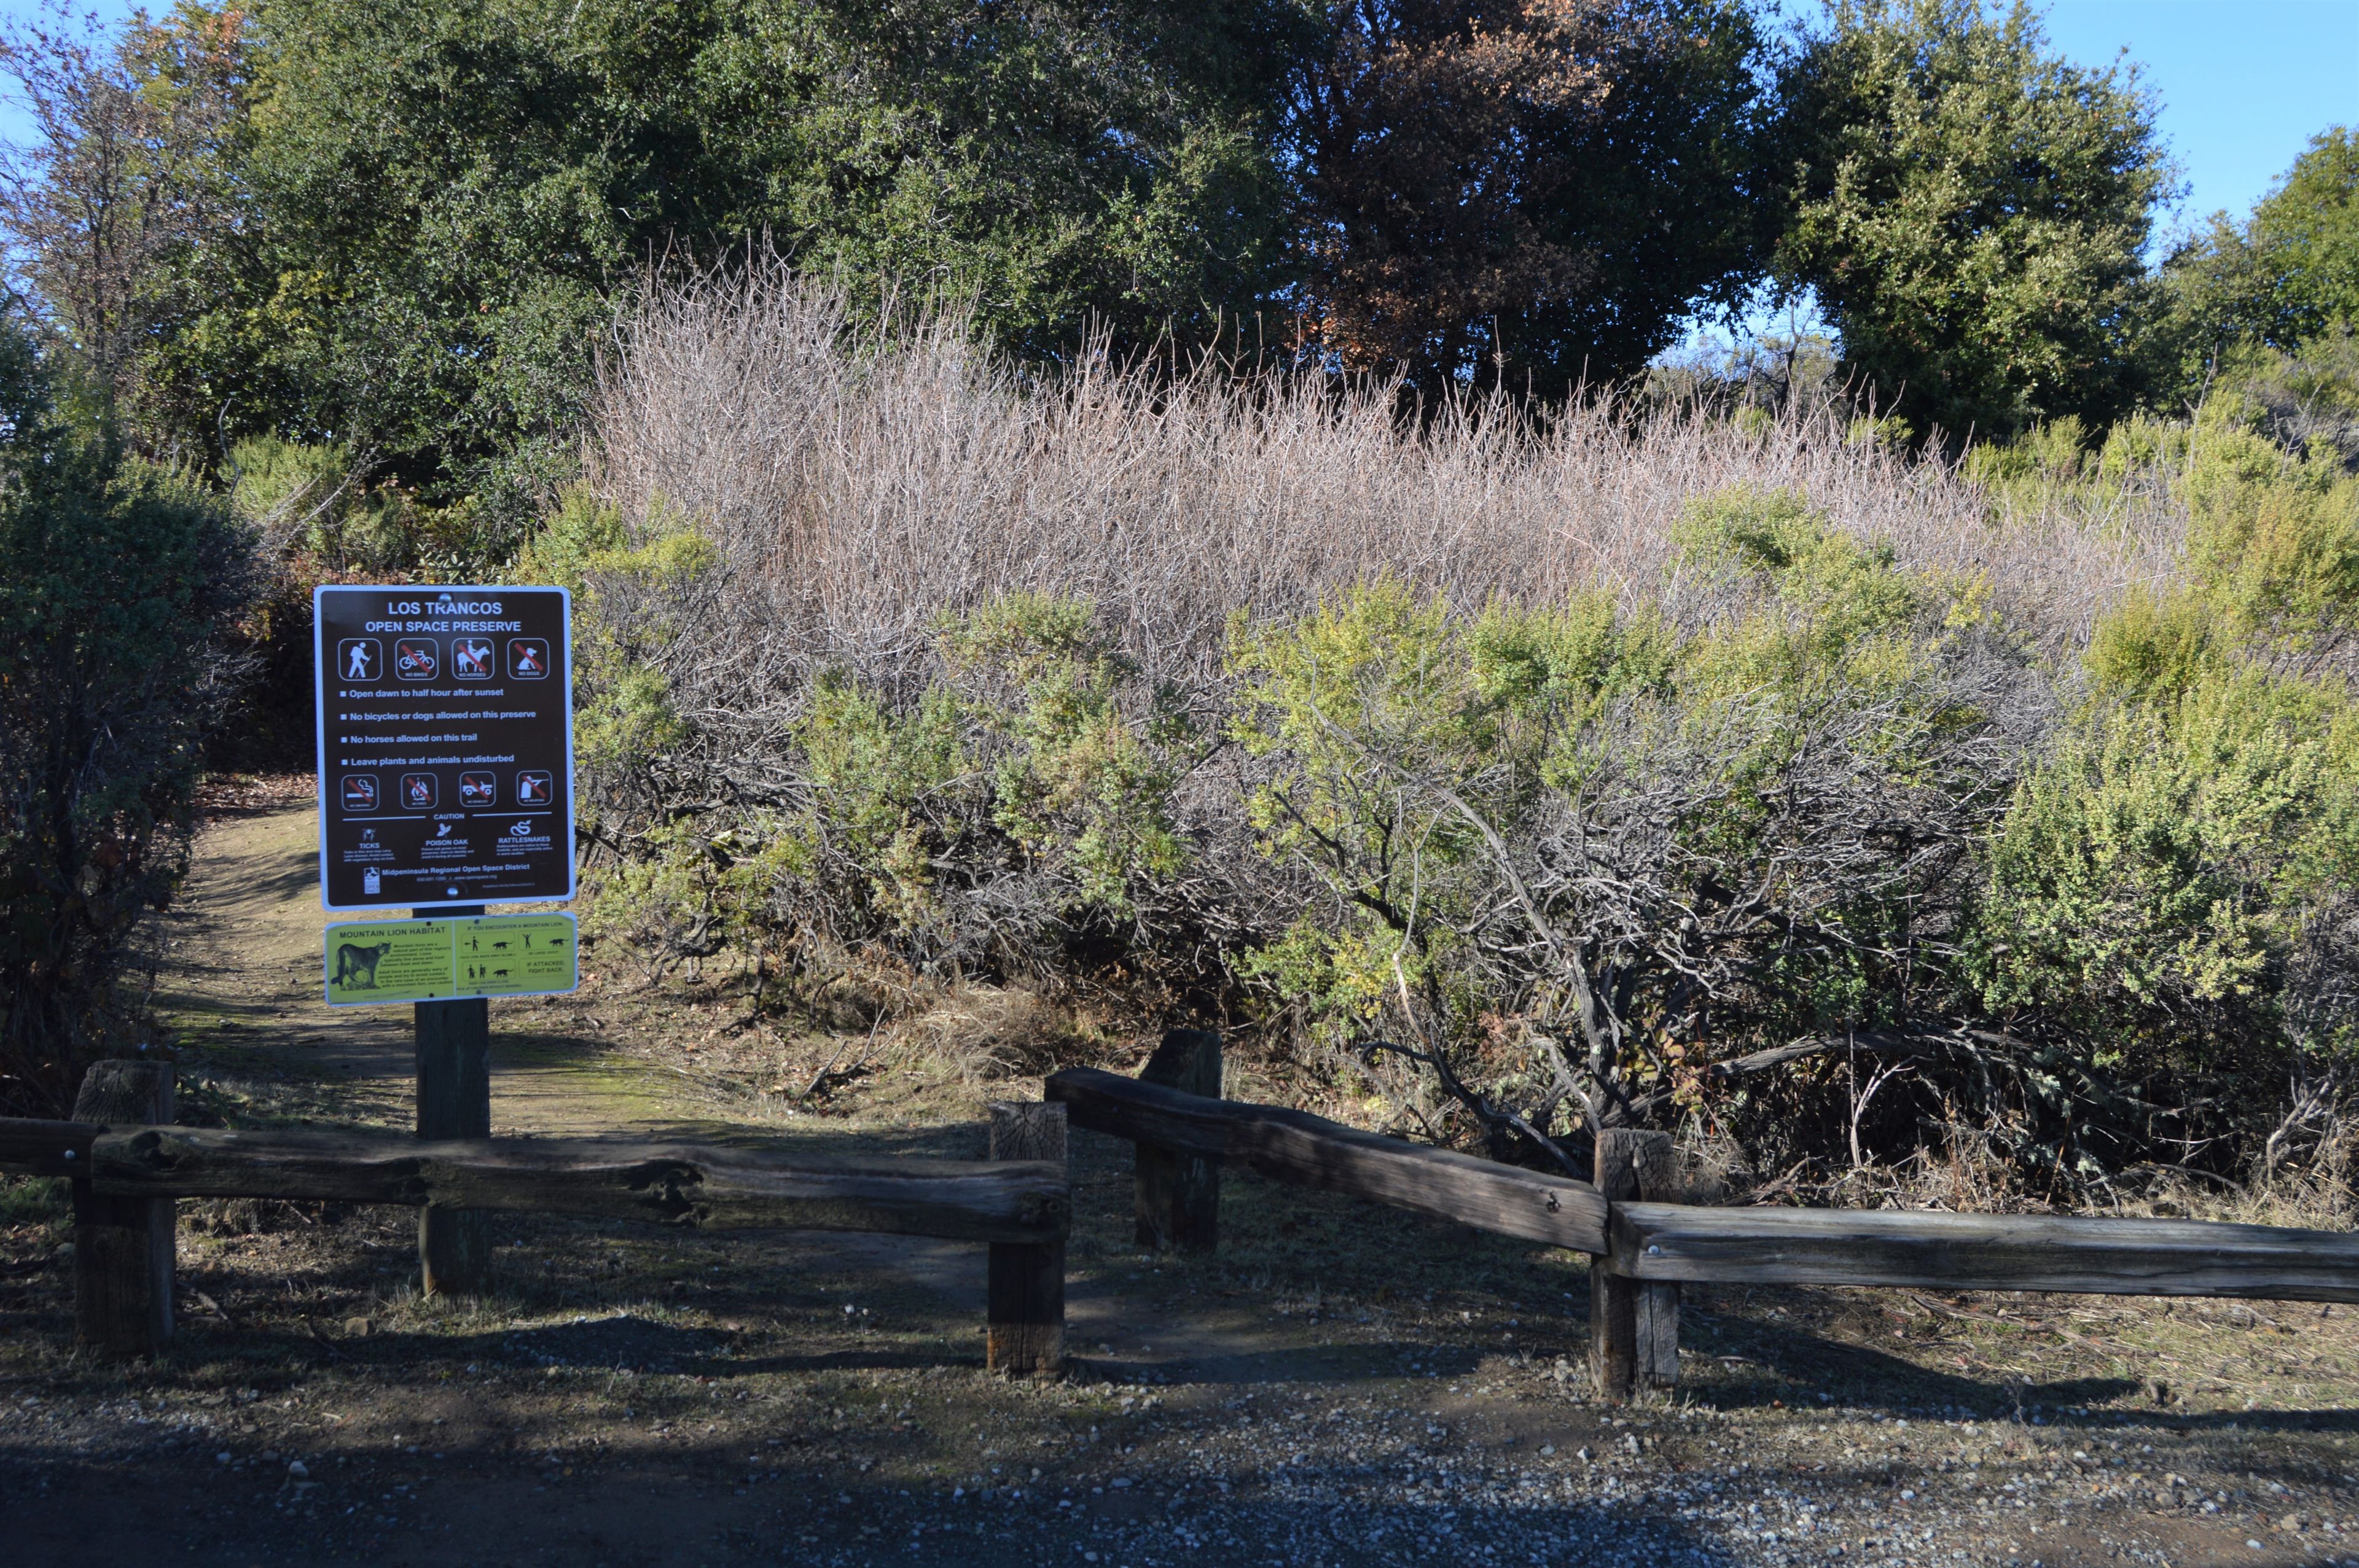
(445, 746)
(380, 961)
(375, 963)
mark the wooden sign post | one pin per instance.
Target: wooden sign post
(454, 1100)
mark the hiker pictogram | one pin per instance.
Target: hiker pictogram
(356, 658)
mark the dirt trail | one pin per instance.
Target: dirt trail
(241, 972)
(240, 978)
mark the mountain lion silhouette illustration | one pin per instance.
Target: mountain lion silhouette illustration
(356, 966)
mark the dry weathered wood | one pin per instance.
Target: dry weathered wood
(30, 1148)
(454, 1100)
(1024, 1328)
(1634, 1327)
(1988, 1252)
(1179, 1193)
(1311, 1151)
(1026, 1130)
(1654, 1337)
(681, 1185)
(123, 1245)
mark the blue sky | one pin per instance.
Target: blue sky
(2243, 83)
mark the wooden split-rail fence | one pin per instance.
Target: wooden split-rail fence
(128, 1163)
(1644, 1240)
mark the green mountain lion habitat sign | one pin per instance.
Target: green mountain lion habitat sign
(374, 963)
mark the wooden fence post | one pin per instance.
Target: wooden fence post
(1179, 1193)
(123, 1246)
(1634, 1324)
(1025, 1308)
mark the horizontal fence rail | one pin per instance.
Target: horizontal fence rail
(1983, 1252)
(1310, 1151)
(665, 1183)
(1018, 1204)
(1645, 1244)
(46, 1148)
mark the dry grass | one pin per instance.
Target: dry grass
(863, 480)
(1962, 1170)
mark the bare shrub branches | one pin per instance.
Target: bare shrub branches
(1729, 813)
(863, 480)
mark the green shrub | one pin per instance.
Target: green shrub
(1567, 851)
(318, 509)
(2272, 567)
(1016, 796)
(2151, 878)
(118, 585)
(2158, 881)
